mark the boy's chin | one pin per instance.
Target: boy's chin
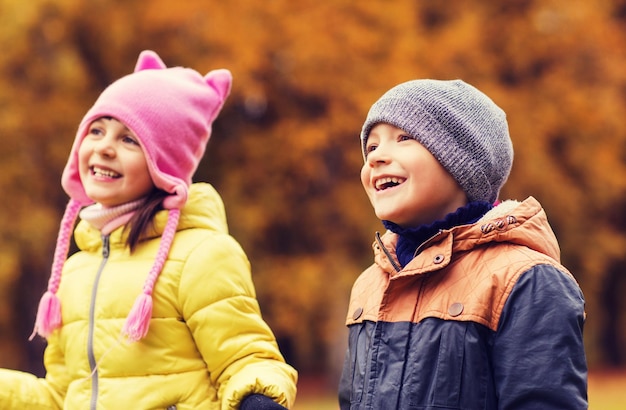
(386, 216)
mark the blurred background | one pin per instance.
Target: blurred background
(285, 153)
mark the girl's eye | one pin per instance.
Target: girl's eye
(130, 140)
(370, 148)
(404, 138)
(95, 131)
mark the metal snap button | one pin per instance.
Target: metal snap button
(357, 313)
(455, 309)
(438, 259)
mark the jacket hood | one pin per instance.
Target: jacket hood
(521, 223)
(204, 209)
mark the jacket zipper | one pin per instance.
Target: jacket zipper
(380, 243)
(92, 308)
(397, 267)
(423, 245)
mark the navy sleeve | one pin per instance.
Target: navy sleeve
(538, 353)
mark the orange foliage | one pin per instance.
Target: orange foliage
(285, 152)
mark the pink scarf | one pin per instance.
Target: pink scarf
(106, 220)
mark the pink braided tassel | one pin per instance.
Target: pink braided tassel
(49, 311)
(138, 320)
(48, 315)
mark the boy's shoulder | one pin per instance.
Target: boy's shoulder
(464, 275)
(473, 288)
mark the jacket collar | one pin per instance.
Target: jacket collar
(522, 223)
(204, 209)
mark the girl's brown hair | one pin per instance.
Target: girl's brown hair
(143, 218)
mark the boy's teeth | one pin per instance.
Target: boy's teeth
(388, 182)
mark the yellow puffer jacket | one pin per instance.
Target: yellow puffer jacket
(207, 347)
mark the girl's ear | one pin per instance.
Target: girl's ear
(147, 60)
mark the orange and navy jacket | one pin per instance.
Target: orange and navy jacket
(483, 317)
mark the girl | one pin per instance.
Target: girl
(157, 310)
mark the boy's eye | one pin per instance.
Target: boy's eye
(369, 148)
(404, 137)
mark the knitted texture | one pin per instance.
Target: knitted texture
(138, 320)
(107, 219)
(49, 311)
(171, 111)
(462, 127)
(410, 239)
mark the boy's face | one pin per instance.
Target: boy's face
(404, 181)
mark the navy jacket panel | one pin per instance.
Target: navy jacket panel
(538, 355)
(447, 364)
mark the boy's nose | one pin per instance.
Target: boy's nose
(379, 155)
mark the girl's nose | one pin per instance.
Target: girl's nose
(105, 147)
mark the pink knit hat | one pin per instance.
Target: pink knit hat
(171, 111)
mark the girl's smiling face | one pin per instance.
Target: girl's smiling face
(404, 181)
(112, 164)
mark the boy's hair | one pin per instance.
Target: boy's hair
(462, 127)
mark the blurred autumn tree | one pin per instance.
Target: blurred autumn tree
(285, 152)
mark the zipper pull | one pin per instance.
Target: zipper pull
(105, 246)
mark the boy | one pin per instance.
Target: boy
(466, 305)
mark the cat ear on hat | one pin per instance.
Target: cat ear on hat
(220, 80)
(148, 60)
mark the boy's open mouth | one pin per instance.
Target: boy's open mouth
(387, 182)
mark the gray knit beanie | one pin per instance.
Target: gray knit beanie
(462, 127)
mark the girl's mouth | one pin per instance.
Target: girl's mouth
(106, 173)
